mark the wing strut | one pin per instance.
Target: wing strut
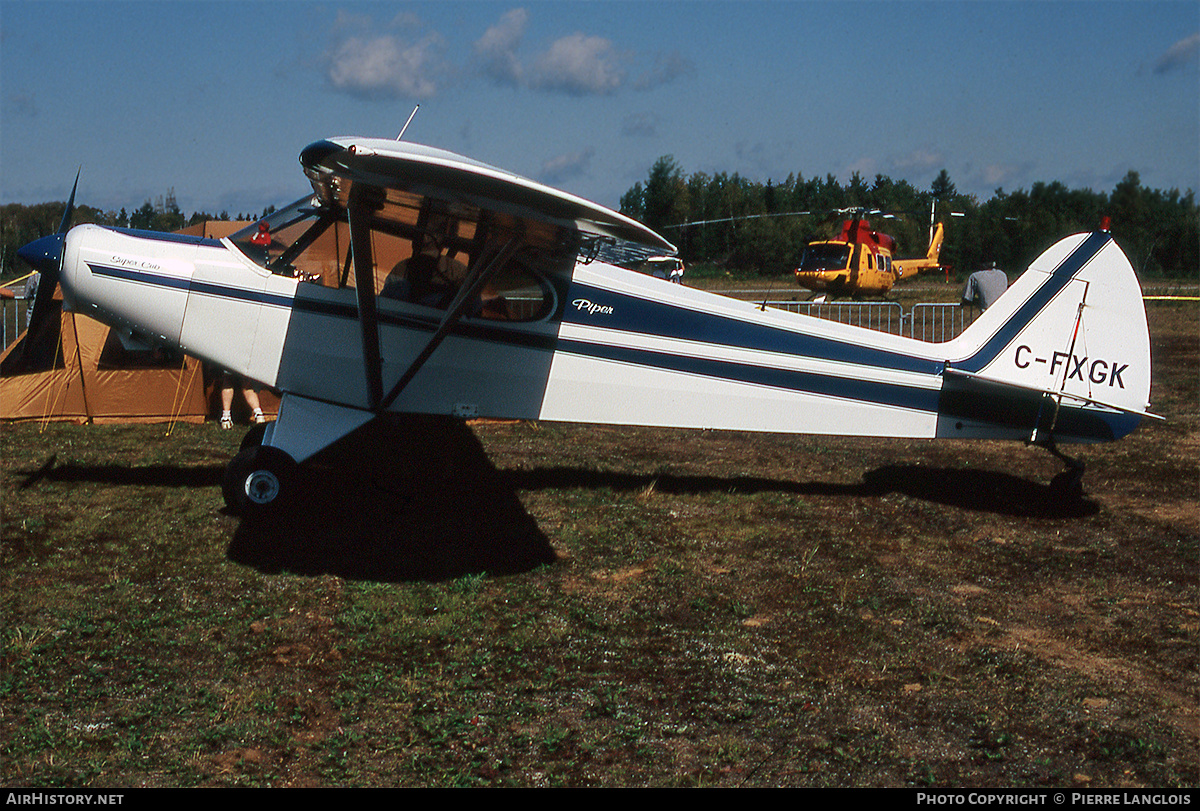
(468, 292)
(359, 211)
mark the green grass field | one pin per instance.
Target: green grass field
(521, 604)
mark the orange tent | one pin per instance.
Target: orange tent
(215, 229)
(78, 370)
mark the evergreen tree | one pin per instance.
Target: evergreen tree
(942, 188)
(1159, 231)
(664, 194)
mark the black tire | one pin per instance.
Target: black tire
(254, 436)
(257, 480)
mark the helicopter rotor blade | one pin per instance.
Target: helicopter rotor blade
(736, 219)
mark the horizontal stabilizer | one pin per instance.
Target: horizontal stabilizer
(949, 370)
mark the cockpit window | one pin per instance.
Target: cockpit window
(519, 292)
(825, 256)
(422, 262)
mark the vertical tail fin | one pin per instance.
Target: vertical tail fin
(1064, 353)
(935, 244)
(907, 267)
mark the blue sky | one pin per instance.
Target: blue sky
(216, 99)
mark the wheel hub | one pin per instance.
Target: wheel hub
(262, 486)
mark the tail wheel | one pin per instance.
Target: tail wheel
(257, 480)
(1067, 487)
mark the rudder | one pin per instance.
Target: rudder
(1064, 354)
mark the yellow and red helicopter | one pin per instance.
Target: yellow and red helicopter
(861, 262)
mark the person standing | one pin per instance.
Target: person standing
(31, 288)
(230, 381)
(983, 287)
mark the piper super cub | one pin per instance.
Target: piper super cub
(415, 280)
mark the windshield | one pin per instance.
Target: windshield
(296, 241)
(825, 256)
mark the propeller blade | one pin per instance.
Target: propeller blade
(45, 255)
(65, 225)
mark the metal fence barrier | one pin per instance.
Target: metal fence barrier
(12, 322)
(935, 323)
(939, 322)
(884, 316)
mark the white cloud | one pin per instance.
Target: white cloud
(390, 61)
(497, 48)
(567, 166)
(644, 125)
(864, 167)
(383, 61)
(385, 67)
(919, 160)
(667, 68)
(1179, 54)
(579, 65)
(996, 175)
(984, 180)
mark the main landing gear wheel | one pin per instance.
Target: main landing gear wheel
(257, 480)
(254, 436)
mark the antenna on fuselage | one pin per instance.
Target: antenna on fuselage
(409, 121)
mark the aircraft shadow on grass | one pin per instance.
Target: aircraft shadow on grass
(977, 490)
(419, 499)
(141, 475)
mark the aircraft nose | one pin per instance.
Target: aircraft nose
(45, 254)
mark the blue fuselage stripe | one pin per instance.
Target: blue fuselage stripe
(624, 313)
(868, 391)
(191, 286)
(640, 316)
(679, 323)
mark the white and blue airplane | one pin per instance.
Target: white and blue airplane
(415, 280)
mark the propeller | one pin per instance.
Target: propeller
(45, 255)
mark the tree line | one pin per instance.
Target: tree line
(757, 232)
(1158, 230)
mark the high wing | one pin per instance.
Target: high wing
(336, 164)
